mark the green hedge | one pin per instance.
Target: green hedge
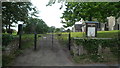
(91, 45)
(6, 39)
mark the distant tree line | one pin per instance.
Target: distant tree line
(35, 25)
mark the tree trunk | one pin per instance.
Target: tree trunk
(9, 30)
(6, 28)
(9, 27)
(90, 17)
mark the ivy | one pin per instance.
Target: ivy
(92, 45)
(6, 39)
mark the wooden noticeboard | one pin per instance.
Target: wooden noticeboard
(91, 29)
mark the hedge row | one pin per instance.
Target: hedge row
(92, 45)
(7, 38)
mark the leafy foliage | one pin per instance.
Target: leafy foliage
(12, 12)
(6, 39)
(57, 30)
(51, 29)
(91, 45)
(36, 25)
(98, 11)
(27, 42)
(6, 59)
(41, 27)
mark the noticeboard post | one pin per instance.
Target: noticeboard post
(91, 28)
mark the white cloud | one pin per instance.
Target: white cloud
(50, 14)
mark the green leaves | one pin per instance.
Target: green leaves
(89, 11)
(91, 45)
(7, 38)
(36, 25)
(94, 43)
(12, 12)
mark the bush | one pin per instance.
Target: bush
(91, 45)
(6, 39)
(7, 59)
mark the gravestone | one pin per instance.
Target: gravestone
(99, 27)
(106, 26)
(102, 26)
(116, 27)
(78, 27)
(111, 22)
(73, 29)
(118, 21)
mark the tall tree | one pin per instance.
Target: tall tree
(51, 29)
(36, 25)
(41, 27)
(12, 12)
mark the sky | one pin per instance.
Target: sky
(50, 14)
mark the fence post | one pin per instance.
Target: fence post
(35, 41)
(69, 40)
(52, 39)
(20, 41)
(20, 34)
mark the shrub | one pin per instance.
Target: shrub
(6, 39)
(7, 59)
(91, 45)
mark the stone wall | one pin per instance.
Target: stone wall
(11, 48)
(79, 50)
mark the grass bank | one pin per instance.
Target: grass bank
(100, 34)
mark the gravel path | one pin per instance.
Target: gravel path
(47, 55)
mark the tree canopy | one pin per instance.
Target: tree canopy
(12, 12)
(36, 25)
(89, 11)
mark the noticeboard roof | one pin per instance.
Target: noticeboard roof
(91, 22)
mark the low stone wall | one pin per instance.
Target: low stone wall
(79, 49)
(12, 47)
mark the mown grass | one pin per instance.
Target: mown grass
(100, 34)
(108, 34)
(27, 40)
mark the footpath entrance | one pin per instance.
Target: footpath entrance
(46, 54)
